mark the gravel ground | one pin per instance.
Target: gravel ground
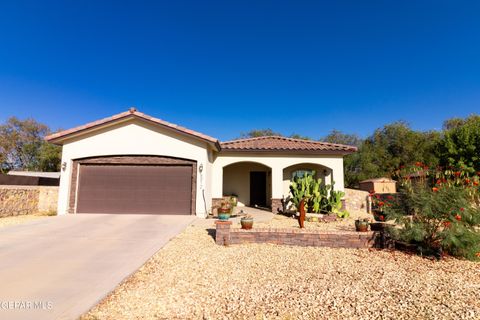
(10, 221)
(192, 278)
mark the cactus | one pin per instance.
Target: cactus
(319, 198)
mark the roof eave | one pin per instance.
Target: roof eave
(59, 138)
(319, 152)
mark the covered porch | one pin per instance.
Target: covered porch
(263, 182)
(259, 170)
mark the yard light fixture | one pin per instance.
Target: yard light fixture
(64, 166)
(200, 168)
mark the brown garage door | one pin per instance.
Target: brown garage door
(143, 189)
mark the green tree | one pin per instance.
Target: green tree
(22, 146)
(387, 149)
(336, 136)
(255, 133)
(461, 142)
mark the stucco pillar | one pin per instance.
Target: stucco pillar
(277, 188)
(337, 176)
(277, 183)
(217, 181)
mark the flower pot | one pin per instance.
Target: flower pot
(377, 226)
(361, 226)
(224, 213)
(247, 223)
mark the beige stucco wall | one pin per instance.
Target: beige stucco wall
(136, 137)
(277, 163)
(236, 180)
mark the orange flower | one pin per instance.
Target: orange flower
(457, 173)
(458, 217)
(439, 181)
(462, 209)
(381, 217)
(475, 183)
(447, 224)
(435, 189)
(467, 180)
(381, 203)
(477, 254)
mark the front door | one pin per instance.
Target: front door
(258, 188)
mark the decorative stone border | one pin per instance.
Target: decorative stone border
(225, 235)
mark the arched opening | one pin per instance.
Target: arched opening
(300, 169)
(250, 182)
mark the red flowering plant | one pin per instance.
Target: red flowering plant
(381, 201)
(439, 213)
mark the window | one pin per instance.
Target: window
(301, 173)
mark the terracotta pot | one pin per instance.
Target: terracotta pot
(361, 226)
(246, 223)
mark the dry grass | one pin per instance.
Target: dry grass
(192, 278)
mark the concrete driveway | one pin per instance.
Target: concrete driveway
(59, 267)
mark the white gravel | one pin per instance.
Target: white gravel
(193, 278)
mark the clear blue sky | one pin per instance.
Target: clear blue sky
(223, 67)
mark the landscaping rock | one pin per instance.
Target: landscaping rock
(193, 278)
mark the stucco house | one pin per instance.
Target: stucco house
(134, 163)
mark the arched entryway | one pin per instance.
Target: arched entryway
(250, 182)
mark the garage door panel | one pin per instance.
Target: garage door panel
(135, 189)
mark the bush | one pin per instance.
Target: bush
(444, 219)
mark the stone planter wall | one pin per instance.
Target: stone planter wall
(21, 200)
(356, 200)
(225, 235)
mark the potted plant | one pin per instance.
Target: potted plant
(224, 211)
(361, 225)
(247, 222)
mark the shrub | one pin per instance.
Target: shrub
(444, 214)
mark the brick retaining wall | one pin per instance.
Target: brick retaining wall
(21, 200)
(225, 235)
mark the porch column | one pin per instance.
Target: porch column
(337, 177)
(217, 185)
(277, 189)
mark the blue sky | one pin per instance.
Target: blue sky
(225, 67)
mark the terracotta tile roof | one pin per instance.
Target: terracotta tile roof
(133, 113)
(276, 143)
